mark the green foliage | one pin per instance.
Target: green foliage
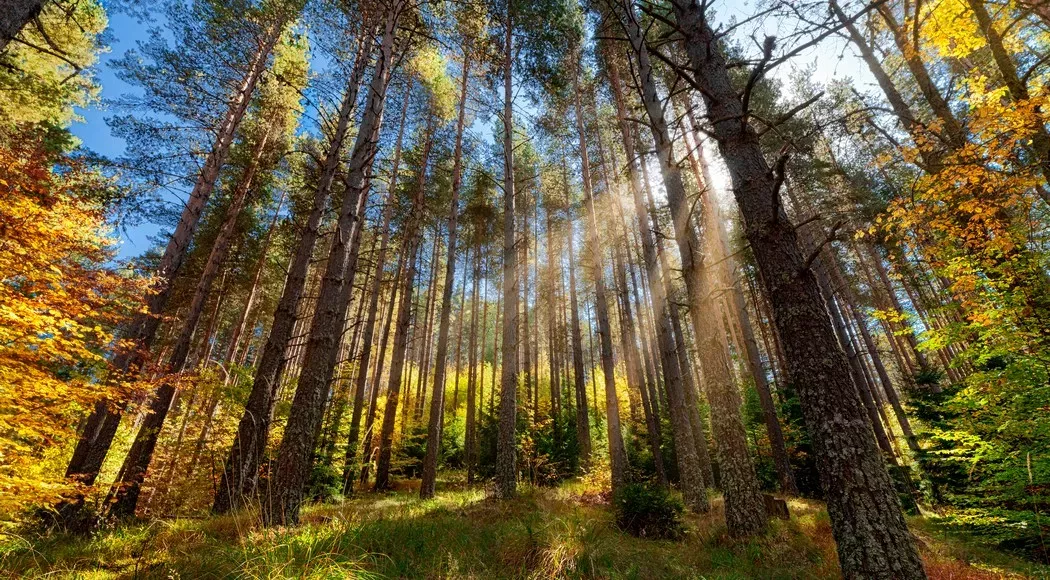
(45, 73)
(649, 511)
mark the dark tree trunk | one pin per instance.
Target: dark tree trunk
(869, 528)
(101, 426)
(292, 467)
(617, 452)
(583, 424)
(14, 16)
(240, 473)
(373, 308)
(506, 444)
(437, 401)
(404, 314)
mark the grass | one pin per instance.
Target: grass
(544, 533)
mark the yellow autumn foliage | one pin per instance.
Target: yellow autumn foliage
(60, 304)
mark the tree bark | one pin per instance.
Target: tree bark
(101, 426)
(437, 401)
(506, 444)
(617, 451)
(373, 307)
(293, 460)
(404, 314)
(240, 473)
(14, 16)
(124, 495)
(869, 528)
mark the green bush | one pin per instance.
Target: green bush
(648, 511)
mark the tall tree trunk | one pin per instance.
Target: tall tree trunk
(506, 444)
(437, 401)
(293, 460)
(240, 472)
(583, 424)
(101, 426)
(869, 528)
(410, 239)
(123, 497)
(745, 509)
(687, 445)
(617, 452)
(373, 308)
(369, 435)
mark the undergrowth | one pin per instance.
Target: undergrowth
(568, 531)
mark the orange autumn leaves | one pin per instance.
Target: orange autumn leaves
(60, 305)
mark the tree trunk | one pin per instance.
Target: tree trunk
(745, 509)
(369, 435)
(101, 426)
(617, 452)
(240, 472)
(506, 444)
(123, 497)
(869, 528)
(411, 239)
(583, 424)
(14, 16)
(686, 445)
(373, 307)
(293, 460)
(437, 401)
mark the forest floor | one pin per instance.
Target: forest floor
(544, 533)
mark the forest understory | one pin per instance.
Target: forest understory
(564, 532)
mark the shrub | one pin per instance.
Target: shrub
(648, 512)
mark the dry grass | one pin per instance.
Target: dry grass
(556, 533)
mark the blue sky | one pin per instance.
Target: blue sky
(93, 131)
(832, 58)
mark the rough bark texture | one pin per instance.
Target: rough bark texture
(869, 528)
(240, 473)
(686, 443)
(617, 452)
(437, 401)
(14, 15)
(404, 314)
(293, 459)
(123, 497)
(101, 426)
(506, 444)
(373, 308)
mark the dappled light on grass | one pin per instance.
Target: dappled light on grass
(543, 533)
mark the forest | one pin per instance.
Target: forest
(525, 288)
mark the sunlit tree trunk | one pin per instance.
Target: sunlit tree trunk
(583, 426)
(617, 452)
(506, 445)
(437, 401)
(866, 518)
(365, 359)
(292, 467)
(101, 426)
(240, 472)
(125, 492)
(411, 239)
(690, 473)
(369, 437)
